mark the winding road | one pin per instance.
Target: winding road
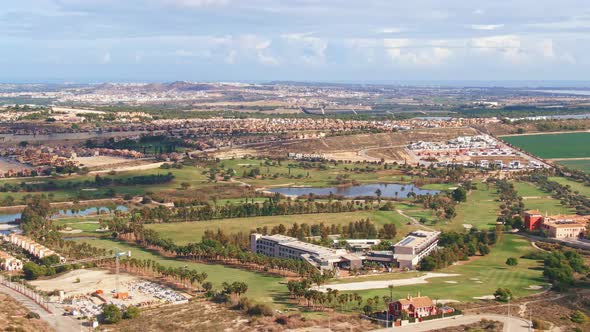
(511, 323)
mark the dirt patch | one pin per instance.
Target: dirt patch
(12, 317)
(483, 325)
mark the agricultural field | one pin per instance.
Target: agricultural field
(183, 233)
(479, 277)
(261, 288)
(582, 165)
(549, 146)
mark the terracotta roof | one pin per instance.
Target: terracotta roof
(533, 212)
(564, 225)
(418, 302)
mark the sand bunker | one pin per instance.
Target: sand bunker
(485, 297)
(534, 287)
(385, 283)
(451, 282)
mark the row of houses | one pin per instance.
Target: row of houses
(557, 226)
(406, 254)
(37, 250)
(9, 262)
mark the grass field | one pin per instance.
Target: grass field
(261, 288)
(183, 233)
(526, 189)
(480, 210)
(570, 145)
(582, 165)
(576, 186)
(481, 276)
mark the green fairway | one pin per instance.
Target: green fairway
(183, 233)
(480, 277)
(480, 210)
(549, 205)
(570, 145)
(582, 165)
(261, 288)
(576, 186)
(526, 189)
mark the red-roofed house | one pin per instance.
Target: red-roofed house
(532, 220)
(416, 307)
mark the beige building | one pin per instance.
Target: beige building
(564, 229)
(10, 263)
(32, 247)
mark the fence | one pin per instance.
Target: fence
(22, 289)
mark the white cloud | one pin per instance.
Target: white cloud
(487, 27)
(195, 3)
(419, 53)
(106, 58)
(390, 30)
(311, 50)
(259, 47)
(509, 46)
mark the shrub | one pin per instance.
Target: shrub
(503, 294)
(32, 315)
(578, 317)
(540, 325)
(111, 314)
(511, 261)
(132, 312)
(259, 310)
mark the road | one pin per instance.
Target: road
(511, 323)
(55, 320)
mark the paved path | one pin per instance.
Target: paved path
(511, 323)
(58, 322)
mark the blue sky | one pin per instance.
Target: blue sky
(316, 40)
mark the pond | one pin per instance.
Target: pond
(7, 218)
(390, 190)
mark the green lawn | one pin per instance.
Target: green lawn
(576, 186)
(183, 233)
(481, 276)
(582, 165)
(570, 145)
(261, 288)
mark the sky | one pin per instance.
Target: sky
(301, 40)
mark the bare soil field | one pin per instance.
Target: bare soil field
(12, 317)
(100, 161)
(391, 153)
(355, 143)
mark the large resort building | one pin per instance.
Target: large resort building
(407, 253)
(557, 226)
(413, 248)
(323, 258)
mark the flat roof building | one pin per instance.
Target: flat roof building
(413, 248)
(281, 246)
(10, 263)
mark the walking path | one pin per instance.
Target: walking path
(56, 321)
(414, 220)
(511, 323)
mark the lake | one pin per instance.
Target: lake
(390, 190)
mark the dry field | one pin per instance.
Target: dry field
(12, 317)
(363, 146)
(101, 161)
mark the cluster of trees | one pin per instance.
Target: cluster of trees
(271, 207)
(214, 250)
(560, 266)
(512, 207)
(300, 291)
(36, 219)
(361, 229)
(188, 278)
(565, 194)
(458, 246)
(111, 314)
(99, 181)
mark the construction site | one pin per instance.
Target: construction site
(84, 292)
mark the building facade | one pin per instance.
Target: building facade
(413, 248)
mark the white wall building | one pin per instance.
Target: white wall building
(413, 248)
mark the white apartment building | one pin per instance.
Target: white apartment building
(10, 263)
